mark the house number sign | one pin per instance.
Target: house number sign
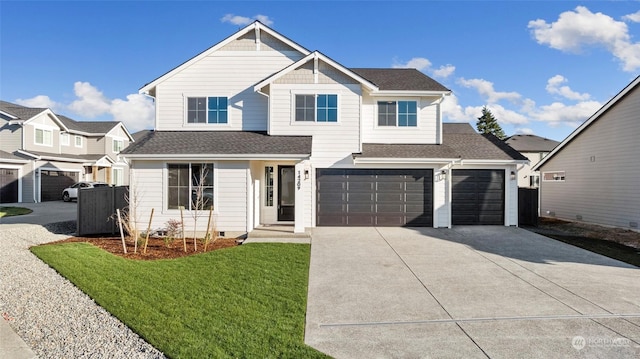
(299, 182)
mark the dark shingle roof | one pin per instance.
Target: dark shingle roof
(531, 143)
(140, 134)
(97, 127)
(459, 141)
(21, 112)
(12, 156)
(218, 142)
(400, 79)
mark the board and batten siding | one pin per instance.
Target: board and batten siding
(425, 133)
(602, 170)
(333, 142)
(229, 74)
(149, 188)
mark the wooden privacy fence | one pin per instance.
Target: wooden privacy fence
(528, 206)
(96, 208)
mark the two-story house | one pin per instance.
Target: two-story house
(289, 136)
(41, 153)
(534, 148)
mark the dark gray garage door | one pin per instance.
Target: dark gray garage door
(477, 197)
(53, 182)
(348, 197)
(8, 185)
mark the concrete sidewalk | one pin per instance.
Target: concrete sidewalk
(471, 292)
(43, 213)
(11, 345)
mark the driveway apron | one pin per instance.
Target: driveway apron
(473, 292)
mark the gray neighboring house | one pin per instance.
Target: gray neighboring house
(41, 153)
(593, 175)
(535, 148)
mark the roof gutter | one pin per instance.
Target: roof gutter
(217, 157)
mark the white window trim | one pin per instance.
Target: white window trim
(553, 180)
(396, 127)
(314, 93)
(205, 125)
(113, 142)
(66, 137)
(165, 185)
(43, 129)
(113, 175)
(75, 141)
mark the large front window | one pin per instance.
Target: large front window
(398, 113)
(316, 108)
(190, 185)
(207, 110)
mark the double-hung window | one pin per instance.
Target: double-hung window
(398, 113)
(316, 108)
(190, 185)
(118, 145)
(78, 140)
(207, 110)
(64, 139)
(44, 137)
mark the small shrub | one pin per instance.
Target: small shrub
(172, 232)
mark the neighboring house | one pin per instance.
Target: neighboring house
(593, 175)
(534, 148)
(289, 136)
(41, 153)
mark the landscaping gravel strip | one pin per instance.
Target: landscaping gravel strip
(48, 312)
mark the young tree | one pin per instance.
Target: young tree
(487, 123)
(201, 195)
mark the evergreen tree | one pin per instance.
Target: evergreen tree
(489, 124)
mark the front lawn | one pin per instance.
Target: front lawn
(13, 211)
(243, 302)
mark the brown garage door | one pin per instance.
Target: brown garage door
(477, 197)
(53, 182)
(8, 185)
(350, 197)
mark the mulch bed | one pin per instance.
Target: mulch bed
(156, 248)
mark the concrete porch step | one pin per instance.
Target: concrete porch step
(276, 232)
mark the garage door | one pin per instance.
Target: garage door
(374, 197)
(8, 185)
(477, 197)
(53, 182)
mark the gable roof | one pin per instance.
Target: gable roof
(632, 85)
(459, 142)
(316, 55)
(88, 127)
(208, 144)
(400, 79)
(531, 143)
(19, 112)
(255, 26)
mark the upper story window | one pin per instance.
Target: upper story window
(318, 108)
(44, 137)
(118, 145)
(78, 141)
(398, 113)
(64, 139)
(207, 110)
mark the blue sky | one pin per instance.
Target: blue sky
(542, 67)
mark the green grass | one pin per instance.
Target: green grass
(243, 302)
(13, 211)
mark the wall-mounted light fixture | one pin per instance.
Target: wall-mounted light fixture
(443, 173)
(513, 175)
(306, 174)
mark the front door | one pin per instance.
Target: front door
(286, 193)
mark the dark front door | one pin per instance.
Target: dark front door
(8, 185)
(286, 193)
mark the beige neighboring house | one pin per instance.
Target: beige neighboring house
(594, 174)
(535, 148)
(41, 153)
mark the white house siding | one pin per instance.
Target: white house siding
(148, 188)
(42, 121)
(226, 72)
(95, 145)
(525, 172)
(426, 131)
(602, 168)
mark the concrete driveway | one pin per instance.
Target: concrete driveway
(467, 292)
(43, 212)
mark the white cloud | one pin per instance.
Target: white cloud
(419, 63)
(444, 71)
(635, 17)
(554, 87)
(452, 111)
(40, 101)
(580, 28)
(243, 20)
(572, 115)
(485, 88)
(137, 112)
(91, 102)
(524, 131)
